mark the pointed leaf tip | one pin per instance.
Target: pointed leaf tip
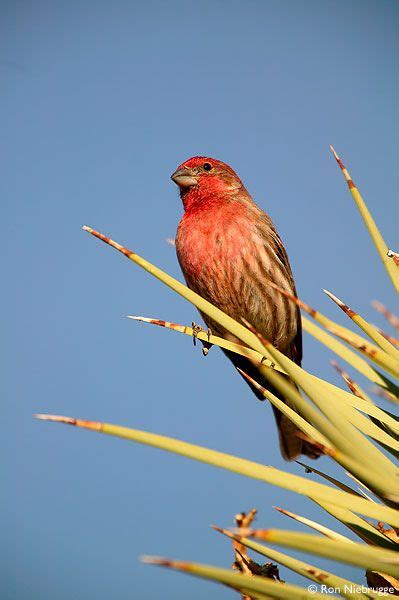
(334, 152)
(216, 528)
(330, 295)
(137, 318)
(55, 418)
(154, 560)
(166, 562)
(93, 425)
(336, 300)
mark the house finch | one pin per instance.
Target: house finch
(228, 249)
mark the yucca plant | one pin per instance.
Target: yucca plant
(352, 429)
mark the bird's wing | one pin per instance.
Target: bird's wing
(296, 344)
(274, 241)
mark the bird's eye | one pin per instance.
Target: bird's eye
(207, 166)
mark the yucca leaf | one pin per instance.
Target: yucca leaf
(384, 481)
(360, 393)
(330, 533)
(352, 385)
(203, 305)
(338, 484)
(307, 570)
(357, 450)
(258, 358)
(360, 555)
(353, 416)
(341, 454)
(372, 430)
(361, 344)
(369, 350)
(364, 406)
(344, 399)
(371, 331)
(359, 526)
(248, 468)
(369, 428)
(300, 422)
(387, 336)
(356, 361)
(255, 356)
(306, 409)
(254, 584)
(362, 528)
(374, 232)
(209, 338)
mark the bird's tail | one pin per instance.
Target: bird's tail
(293, 442)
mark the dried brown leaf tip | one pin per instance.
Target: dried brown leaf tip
(342, 305)
(350, 383)
(244, 563)
(243, 521)
(94, 425)
(252, 381)
(159, 322)
(166, 562)
(108, 241)
(259, 534)
(390, 316)
(320, 575)
(388, 531)
(367, 349)
(343, 169)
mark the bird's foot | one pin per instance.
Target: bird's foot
(196, 330)
(206, 345)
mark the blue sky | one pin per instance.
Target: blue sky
(100, 102)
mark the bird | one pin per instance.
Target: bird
(228, 250)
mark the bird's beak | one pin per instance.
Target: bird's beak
(184, 178)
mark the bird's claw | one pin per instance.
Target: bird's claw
(206, 345)
(196, 330)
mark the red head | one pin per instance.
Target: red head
(200, 178)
